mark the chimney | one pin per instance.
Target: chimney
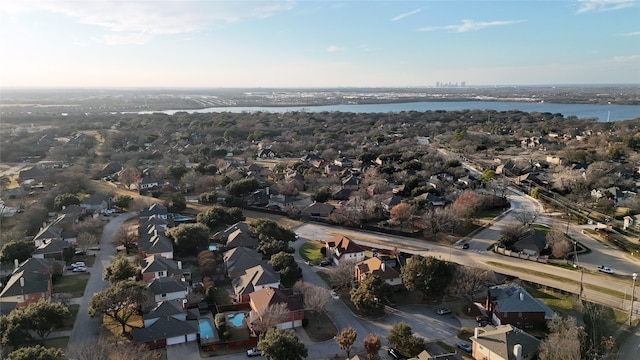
(179, 264)
(517, 351)
(16, 263)
(521, 297)
(476, 332)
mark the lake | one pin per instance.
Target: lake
(582, 111)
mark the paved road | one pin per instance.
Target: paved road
(86, 330)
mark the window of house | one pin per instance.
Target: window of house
(164, 295)
(160, 273)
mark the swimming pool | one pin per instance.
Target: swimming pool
(236, 319)
(213, 247)
(206, 330)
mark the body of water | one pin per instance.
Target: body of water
(582, 111)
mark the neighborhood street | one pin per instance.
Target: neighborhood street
(85, 329)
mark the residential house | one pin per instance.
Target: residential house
(46, 234)
(224, 234)
(54, 249)
(511, 304)
(155, 267)
(147, 183)
(266, 154)
(343, 162)
(155, 243)
(25, 287)
(341, 248)
(254, 279)
(165, 331)
(155, 209)
(155, 221)
(351, 182)
(99, 203)
(163, 309)
(503, 342)
(41, 266)
(168, 288)
(241, 238)
(35, 173)
(317, 209)
(239, 259)
(390, 202)
(532, 243)
(376, 267)
(260, 301)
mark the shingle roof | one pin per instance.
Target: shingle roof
(164, 309)
(503, 338)
(165, 285)
(237, 226)
(33, 283)
(374, 265)
(240, 238)
(155, 209)
(344, 245)
(156, 263)
(262, 298)
(511, 297)
(164, 328)
(255, 276)
(53, 246)
(239, 259)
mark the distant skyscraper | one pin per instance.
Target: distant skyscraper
(463, 84)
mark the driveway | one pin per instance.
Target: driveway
(85, 329)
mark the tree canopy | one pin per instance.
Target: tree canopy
(345, 339)
(16, 249)
(372, 293)
(282, 345)
(120, 269)
(401, 336)
(37, 352)
(120, 301)
(428, 275)
(188, 238)
(34, 322)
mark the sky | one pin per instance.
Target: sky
(317, 43)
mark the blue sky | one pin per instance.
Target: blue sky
(321, 43)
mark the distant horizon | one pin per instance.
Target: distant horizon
(286, 44)
(133, 87)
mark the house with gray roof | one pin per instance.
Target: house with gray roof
(532, 243)
(156, 244)
(155, 267)
(168, 288)
(241, 238)
(54, 249)
(224, 234)
(503, 342)
(511, 304)
(24, 288)
(97, 202)
(255, 278)
(166, 331)
(163, 309)
(155, 209)
(238, 260)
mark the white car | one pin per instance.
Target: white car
(78, 264)
(605, 269)
(253, 352)
(79, 269)
(335, 295)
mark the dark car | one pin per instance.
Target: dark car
(465, 246)
(443, 311)
(325, 262)
(463, 345)
(395, 354)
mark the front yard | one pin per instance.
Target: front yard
(71, 284)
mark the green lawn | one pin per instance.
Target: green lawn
(72, 284)
(68, 323)
(60, 343)
(310, 251)
(319, 327)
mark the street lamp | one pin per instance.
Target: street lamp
(633, 295)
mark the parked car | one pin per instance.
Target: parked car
(443, 311)
(78, 264)
(463, 345)
(325, 262)
(394, 353)
(79, 269)
(335, 295)
(253, 352)
(605, 269)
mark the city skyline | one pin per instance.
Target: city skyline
(195, 43)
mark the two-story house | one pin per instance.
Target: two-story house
(341, 248)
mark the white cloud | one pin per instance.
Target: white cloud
(626, 58)
(138, 21)
(603, 5)
(402, 16)
(636, 33)
(334, 48)
(471, 25)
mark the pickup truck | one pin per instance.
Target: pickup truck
(605, 269)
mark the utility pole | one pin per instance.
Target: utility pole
(633, 295)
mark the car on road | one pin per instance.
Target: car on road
(253, 352)
(394, 353)
(79, 269)
(443, 311)
(463, 345)
(325, 262)
(605, 269)
(335, 295)
(465, 246)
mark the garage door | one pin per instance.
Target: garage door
(175, 340)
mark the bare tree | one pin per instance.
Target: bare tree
(86, 240)
(564, 341)
(316, 298)
(129, 176)
(343, 274)
(401, 213)
(512, 233)
(468, 281)
(103, 350)
(270, 317)
(559, 244)
(526, 217)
